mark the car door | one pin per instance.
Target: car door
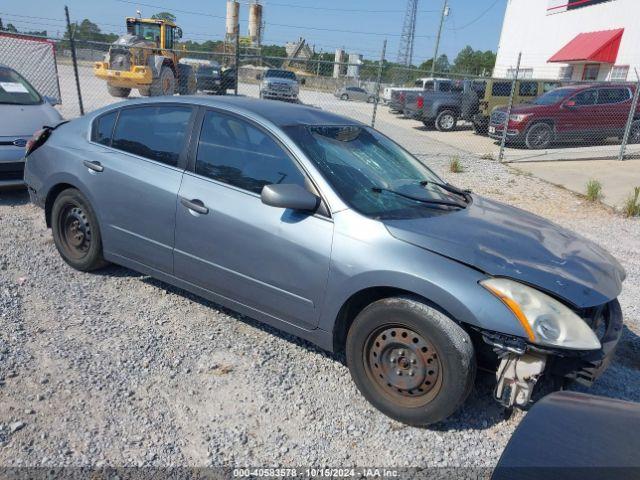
(579, 113)
(133, 177)
(615, 103)
(272, 260)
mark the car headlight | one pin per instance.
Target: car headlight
(520, 117)
(545, 320)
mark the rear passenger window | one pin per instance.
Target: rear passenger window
(528, 89)
(501, 89)
(236, 152)
(444, 87)
(103, 128)
(613, 95)
(156, 132)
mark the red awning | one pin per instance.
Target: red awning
(599, 47)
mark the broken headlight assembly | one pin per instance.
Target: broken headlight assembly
(546, 321)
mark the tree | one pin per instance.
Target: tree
(11, 28)
(169, 17)
(474, 62)
(442, 64)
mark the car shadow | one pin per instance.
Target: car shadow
(13, 197)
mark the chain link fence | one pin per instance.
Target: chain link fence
(513, 118)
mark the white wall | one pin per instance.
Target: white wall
(528, 29)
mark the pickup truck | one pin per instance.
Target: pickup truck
(394, 97)
(445, 105)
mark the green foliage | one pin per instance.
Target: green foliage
(594, 190)
(88, 31)
(169, 17)
(455, 165)
(442, 64)
(474, 62)
(631, 206)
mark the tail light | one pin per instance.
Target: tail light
(420, 102)
(37, 140)
(402, 95)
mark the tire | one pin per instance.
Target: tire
(428, 123)
(435, 360)
(187, 84)
(344, 97)
(76, 232)
(634, 134)
(446, 121)
(119, 92)
(480, 128)
(144, 91)
(165, 84)
(371, 99)
(538, 136)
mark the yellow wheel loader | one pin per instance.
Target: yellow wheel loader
(144, 58)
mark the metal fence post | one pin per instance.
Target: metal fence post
(503, 141)
(632, 113)
(378, 81)
(72, 43)
(237, 57)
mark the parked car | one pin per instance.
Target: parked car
(322, 227)
(214, 78)
(496, 94)
(355, 93)
(442, 108)
(593, 112)
(22, 111)
(418, 85)
(398, 95)
(279, 85)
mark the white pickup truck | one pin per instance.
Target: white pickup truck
(419, 85)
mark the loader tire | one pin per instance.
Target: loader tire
(186, 80)
(119, 92)
(165, 84)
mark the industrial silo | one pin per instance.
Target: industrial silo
(255, 23)
(233, 15)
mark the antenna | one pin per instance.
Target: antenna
(405, 51)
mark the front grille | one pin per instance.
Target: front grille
(280, 87)
(498, 118)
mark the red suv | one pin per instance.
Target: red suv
(593, 112)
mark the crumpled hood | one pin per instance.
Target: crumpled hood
(505, 241)
(24, 120)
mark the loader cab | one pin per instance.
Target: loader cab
(161, 32)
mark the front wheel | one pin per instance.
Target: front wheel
(634, 134)
(76, 233)
(538, 136)
(446, 121)
(410, 361)
(118, 92)
(344, 96)
(165, 84)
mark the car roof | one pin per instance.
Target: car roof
(279, 113)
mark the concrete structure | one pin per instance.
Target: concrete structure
(255, 24)
(353, 69)
(233, 14)
(571, 39)
(338, 67)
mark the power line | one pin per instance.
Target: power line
(343, 10)
(479, 17)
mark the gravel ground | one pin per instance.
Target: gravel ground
(115, 368)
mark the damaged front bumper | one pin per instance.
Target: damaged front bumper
(522, 365)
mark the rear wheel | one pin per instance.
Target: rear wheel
(165, 84)
(538, 136)
(410, 361)
(446, 121)
(371, 99)
(344, 96)
(75, 231)
(480, 128)
(119, 92)
(634, 134)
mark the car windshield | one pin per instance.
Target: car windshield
(280, 74)
(15, 90)
(371, 173)
(553, 97)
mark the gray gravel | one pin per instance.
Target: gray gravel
(115, 368)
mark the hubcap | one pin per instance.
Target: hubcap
(540, 137)
(447, 121)
(75, 231)
(404, 365)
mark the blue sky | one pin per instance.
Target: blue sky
(358, 25)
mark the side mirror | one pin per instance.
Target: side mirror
(291, 196)
(51, 100)
(303, 81)
(569, 104)
(259, 76)
(178, 32)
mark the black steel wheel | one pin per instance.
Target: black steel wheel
(409, 360)
(634, 134)
(344, 97)
(75, 231)
(539, 136)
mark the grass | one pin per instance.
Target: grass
(631, 206)
(594, 190)
(487, 156)
(455, 165)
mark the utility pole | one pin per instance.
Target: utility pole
(445, 13)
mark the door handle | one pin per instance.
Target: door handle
(195, 205)
(95, 166)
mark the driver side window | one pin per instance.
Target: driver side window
(586, 98)
(238, 153)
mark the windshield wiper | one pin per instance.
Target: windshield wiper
(449, 188)
(444, 203)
